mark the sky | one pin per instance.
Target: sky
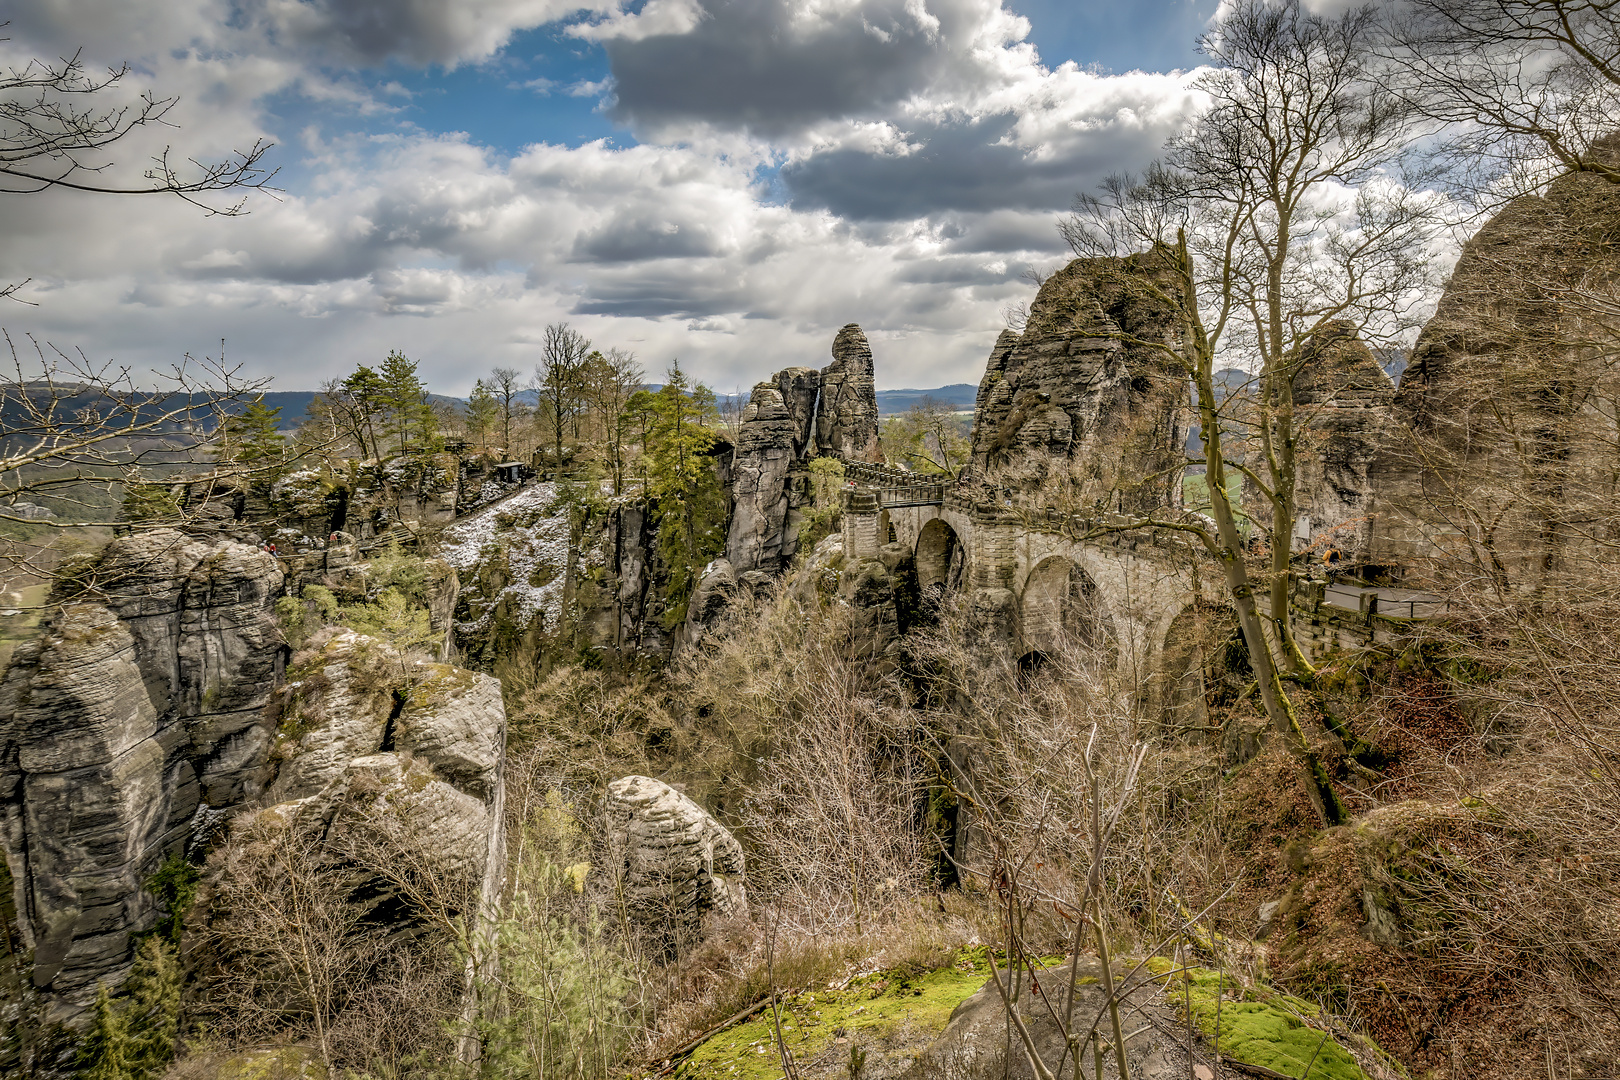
(722, 182)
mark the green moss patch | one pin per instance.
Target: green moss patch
(1257, 1025)
(873, 1009)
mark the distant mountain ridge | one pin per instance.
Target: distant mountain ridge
(294, 404)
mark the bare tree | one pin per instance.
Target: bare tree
(1270, 223)
(557, 379)
(57, 121)
(78, 433)
(610, 380)
(290, 942)
(1526, 88)
(506, 384)
(929, 437)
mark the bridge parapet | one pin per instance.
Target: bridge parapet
(866, 474)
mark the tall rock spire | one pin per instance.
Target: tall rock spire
(847, 424)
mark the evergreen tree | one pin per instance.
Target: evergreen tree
(483, 414)
(253, 437)
(358, 398)
(640, 415)
(404, 399)
(681, 477)
(134, 1038)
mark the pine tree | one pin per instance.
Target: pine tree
(253, 437)
(681, 477)
(359, 397)
(483, 413)
(405, 399)
(134, 1037)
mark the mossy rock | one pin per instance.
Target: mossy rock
(278, 1063)
(1264, 1027)
(889, 1012)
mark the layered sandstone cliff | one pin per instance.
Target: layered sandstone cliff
(795, 415)
(1509, 400)
(137, 714)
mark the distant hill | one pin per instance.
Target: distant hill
(962, 395)
(294, 404)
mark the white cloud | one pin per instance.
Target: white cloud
(908, 198)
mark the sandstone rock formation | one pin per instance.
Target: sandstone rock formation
(620, 587)
(777, 433)
(977, 1044)
(714, 591)
(373, 747)
(1065, 404)
(797, 414)
(672, 863)
(1509, 397)
(137, 712)
(1344, 420)
(847, 421)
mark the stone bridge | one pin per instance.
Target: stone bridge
(1035, 576)
(1039, 576)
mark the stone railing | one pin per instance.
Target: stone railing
(866, 474)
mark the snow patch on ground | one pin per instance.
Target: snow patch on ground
(534, 552)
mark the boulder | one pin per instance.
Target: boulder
(673, 863)
(714, 591)
(138, 712)
(977, 1044)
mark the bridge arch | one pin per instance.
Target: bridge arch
(1061, 606)
(1175, 689)
(940, 556)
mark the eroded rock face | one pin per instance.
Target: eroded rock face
(1508, 396)
(797, 414)
(975, 1045)
(139, 708)
(847, 422)
(1063, 399)
(1345, 419)
(371, 745)
(676, 863)
(776, 434)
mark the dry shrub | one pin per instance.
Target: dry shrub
(1471, 915)
(832, 810)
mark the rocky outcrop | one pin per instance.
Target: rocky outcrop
(1344, 420)
(797, 414)
(1067, 403)
(715, 589)
(138, 712)
(776, 434)
(977, 1045)
(847, 422)
(404, 755)
(1508, 395)
(673, 863)
(621, 584)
